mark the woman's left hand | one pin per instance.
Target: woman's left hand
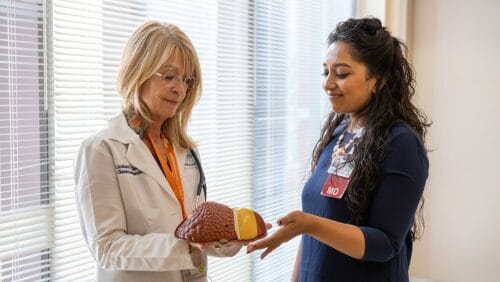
(292, 224)
(199, 246)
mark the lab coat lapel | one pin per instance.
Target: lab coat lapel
(138, 154)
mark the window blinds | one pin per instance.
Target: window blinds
(24, 197)
(78, 109)
(255, 124)
(222, 120)
(271, 195)
(291, 43)
(88, 42)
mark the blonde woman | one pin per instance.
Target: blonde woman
(137, 180)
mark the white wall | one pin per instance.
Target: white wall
(456, 54)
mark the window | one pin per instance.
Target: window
(25, 236)
(255, 124)
(290, 43)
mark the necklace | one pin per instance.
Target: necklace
(338, 150)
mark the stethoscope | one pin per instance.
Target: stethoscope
(202, 185)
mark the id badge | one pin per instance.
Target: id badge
(199, 273)
(334, 186)
(341, 167)
(344, 170)
(336, 162)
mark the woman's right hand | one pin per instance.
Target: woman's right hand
(292, 224)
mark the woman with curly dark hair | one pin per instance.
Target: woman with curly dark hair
(369, 166)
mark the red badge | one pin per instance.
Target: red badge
(334, 186)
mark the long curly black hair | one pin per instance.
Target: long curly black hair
(385, 58)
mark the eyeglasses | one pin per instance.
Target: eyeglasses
(188, 82)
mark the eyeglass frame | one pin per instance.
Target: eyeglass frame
(188, 85)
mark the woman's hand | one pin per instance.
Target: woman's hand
(199, 246)
(217, 245)
(292, 224)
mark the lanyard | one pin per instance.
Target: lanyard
(170, 170)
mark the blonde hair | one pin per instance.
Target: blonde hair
(144, 54)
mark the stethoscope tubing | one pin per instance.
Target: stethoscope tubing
(202, 185)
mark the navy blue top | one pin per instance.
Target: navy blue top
(388, 244)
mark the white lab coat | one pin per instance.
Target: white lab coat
(128, 212)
